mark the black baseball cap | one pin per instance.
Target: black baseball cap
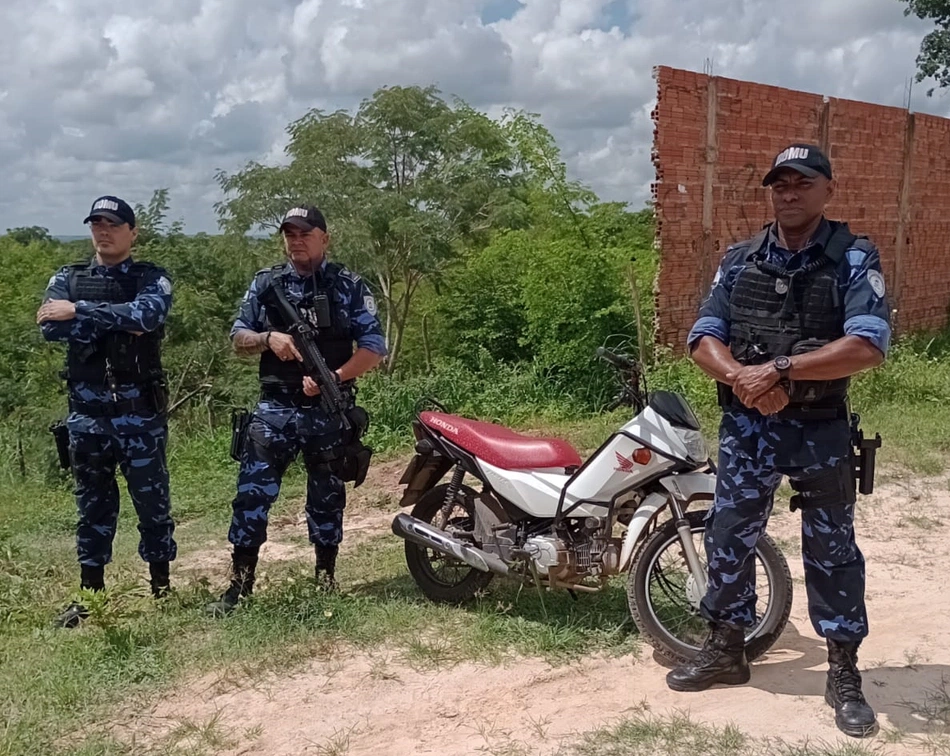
(807, 159)
(306, 217)
(113, 209)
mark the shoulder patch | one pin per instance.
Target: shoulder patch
(877, 282)
(369, 302)
(165, 284)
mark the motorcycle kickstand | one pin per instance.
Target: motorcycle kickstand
(537, 582)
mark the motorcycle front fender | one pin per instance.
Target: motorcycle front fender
(691, 486)
(421, 474)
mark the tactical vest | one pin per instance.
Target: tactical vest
(324, 309)
(775, 312)
(129, 358)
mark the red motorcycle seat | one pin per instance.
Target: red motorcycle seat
(500, 446)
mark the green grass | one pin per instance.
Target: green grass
(678, 735)
(131, 647)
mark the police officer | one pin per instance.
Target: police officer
(111, 313)
(792, 314)
(289, 419)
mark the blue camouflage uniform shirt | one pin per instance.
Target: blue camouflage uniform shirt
(860, 281)
(144, 314)
(356, 297)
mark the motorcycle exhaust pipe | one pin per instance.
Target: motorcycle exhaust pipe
(415, 530)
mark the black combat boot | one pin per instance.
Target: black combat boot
(722, 659)
(160, 581)
(91, 579)
(326, 567)
(853, 715)
(243, 565)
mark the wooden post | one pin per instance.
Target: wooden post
(903, 213)
(824, 127)
(712, 154)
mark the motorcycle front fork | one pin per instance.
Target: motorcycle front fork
(689, 550)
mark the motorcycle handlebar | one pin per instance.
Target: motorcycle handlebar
(620, 361)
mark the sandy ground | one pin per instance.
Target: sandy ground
(374, 704)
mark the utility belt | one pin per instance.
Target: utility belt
(154, 401)
(294, 396)
(828, 409)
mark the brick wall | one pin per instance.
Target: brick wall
(714, 140)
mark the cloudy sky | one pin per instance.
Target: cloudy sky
(95, 100)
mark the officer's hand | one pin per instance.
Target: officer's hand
(56, 309)
(310, 387)
(772, 401)
(282, 344)
(750, 382)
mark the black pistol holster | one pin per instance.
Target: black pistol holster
(864, 451)
(61, 437)
(349, 461)
(240, 420)
(841, 484)
(354, 463)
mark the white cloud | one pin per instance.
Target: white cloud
(165, 93)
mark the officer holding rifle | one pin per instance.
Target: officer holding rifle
(302, 317)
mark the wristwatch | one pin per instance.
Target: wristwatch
(783, 364)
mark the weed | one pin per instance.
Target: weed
(934, 710)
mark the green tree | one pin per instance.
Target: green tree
(150, 220)
(934, 56)
(407, 183)
(26, 234)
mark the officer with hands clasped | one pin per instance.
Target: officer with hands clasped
(289, 418)
(791, 315)
(111, 312)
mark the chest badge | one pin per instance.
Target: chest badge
(781, 286)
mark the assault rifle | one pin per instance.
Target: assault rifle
(304, 336)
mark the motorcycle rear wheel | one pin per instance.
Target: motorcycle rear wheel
(442, 578)
(668, 618)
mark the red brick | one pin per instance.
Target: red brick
(754, 121)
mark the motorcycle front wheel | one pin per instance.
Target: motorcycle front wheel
(664, 598)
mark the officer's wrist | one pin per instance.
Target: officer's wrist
(267, 335)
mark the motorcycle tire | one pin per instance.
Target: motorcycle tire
(470, 581)
(663, 640)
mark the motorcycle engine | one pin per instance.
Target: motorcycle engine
(547, 552)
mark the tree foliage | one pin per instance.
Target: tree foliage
(151, 221)
(933, 59)
(27, 234)
(407, 182)
(488, 261)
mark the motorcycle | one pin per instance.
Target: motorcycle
(545, 516)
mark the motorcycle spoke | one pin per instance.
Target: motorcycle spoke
(669, 585)
(458, 523)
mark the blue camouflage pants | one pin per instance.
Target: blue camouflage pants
(141, 458)
(754, 453)
(267, 453)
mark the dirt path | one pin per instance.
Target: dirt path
(374, 704)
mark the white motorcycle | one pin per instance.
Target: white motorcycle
(546, 516)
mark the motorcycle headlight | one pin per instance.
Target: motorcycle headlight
(695, 444)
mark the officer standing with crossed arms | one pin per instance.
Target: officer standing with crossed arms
(792, 314)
